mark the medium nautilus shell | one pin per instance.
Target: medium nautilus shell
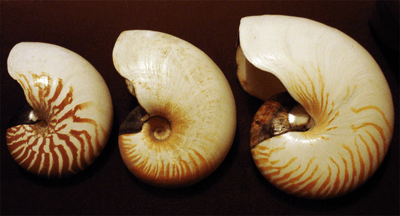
(69, 117)
(186, 121)
(333, 132)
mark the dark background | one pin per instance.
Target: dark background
(236, 187)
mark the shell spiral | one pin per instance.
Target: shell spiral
(73, 105)
(186, 96)
(340, 86)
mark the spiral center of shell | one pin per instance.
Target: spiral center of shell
(160, 128)
(43, 128)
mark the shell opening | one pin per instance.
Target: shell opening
(255, 81)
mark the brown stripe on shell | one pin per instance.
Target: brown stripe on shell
(357, 166)
(27, 143)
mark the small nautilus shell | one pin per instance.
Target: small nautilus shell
(186, 121)
(331, 131)
(69, 117)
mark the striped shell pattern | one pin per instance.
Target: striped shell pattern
(344, 91)
(73, 106)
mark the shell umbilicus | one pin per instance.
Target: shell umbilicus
(344, 102)
(70, 113)
(186, 121)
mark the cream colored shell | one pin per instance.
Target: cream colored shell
(177, 82)
(340, 86)
(73, 102)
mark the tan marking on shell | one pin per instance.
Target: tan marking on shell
(175, 80)
(313, 185)
(181, 164)
(342, 88)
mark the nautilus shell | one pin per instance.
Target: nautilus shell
(343, 125)
(186, 121)
(70, 115)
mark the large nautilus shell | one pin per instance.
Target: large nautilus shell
(333, 132)
(69, 117)
(186, 121)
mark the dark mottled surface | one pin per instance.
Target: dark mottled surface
(133, 122)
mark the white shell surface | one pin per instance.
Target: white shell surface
(255, 81)
(73, 102)
(342, 88)
(173, 79)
